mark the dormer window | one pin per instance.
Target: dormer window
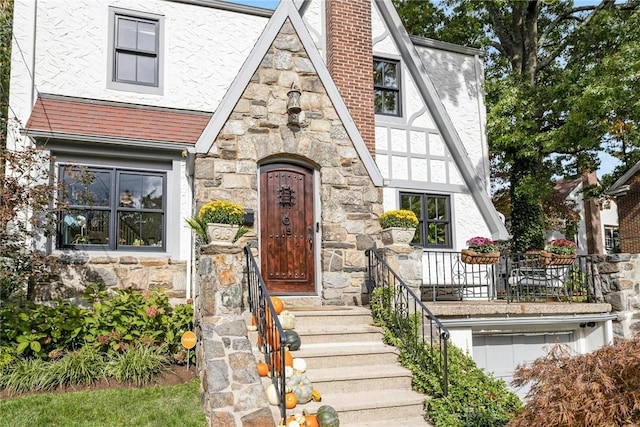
(386, 84)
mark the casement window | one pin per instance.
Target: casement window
(135, 48)
(434, 213)
(386, 87)
(109, 208)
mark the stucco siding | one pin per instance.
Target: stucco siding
(458, 80)
(203, 50)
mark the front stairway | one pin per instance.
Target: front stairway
(353, 370)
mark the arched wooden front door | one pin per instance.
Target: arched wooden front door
(287, 230)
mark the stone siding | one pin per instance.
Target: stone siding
(232, 392)
(257, 132)
(76, 270)
(619, 285)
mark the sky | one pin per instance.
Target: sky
(267, 4)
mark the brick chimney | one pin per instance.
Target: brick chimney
(350, 60)
(592, 217)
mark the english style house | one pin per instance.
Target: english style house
(169, 104)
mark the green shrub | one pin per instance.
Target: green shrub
(138, 365)
(475, 398)
(113, 324)
(83, 366)
(28, 375)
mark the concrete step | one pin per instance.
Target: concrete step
(354, 379)
(414, 421)
(352, 368)
(334, 355)
(318, 317)
(368, 406)
(337, 333)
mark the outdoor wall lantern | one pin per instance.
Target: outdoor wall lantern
(293, 105)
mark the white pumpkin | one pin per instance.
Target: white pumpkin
(299, 365)
(272, 395)
(288, 371)
(287, 320)
(293, 424)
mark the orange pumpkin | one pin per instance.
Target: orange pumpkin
(290, 400)
(288, 358)
(263, 369)
(311, 421)
(278, 304)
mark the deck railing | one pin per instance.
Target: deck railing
(419, 331)
(515, 278)
(270, 333)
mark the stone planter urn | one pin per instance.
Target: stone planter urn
(221, 234)
(397, 235)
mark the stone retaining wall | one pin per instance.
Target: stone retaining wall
(76, 270)
(619, 285)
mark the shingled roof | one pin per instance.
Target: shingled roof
(61, 116)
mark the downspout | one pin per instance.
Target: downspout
(33, 54)
(190, 163)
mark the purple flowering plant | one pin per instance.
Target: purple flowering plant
(482, 245)
(562, 247)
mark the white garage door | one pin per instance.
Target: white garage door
(501, 354)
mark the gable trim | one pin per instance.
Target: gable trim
(620, 187)
(286, 9)
(441, 118)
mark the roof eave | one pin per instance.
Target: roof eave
(141, 143)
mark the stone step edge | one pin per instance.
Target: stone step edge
(363, 400)
(338, 329)
(349, 373)
(343, 349)
(396, 422)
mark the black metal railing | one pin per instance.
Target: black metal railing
(515, 278)
(447, 278)
(400, 308)
(270, 333)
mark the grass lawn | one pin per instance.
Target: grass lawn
(152, 406)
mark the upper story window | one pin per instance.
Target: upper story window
(386, 84)
(611, 239)
(135, 51)
(108, 208)
(434, 213)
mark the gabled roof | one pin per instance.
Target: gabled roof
(71, 118)
(620, 187)
(564, 186)
(427, 90)
(286, 9)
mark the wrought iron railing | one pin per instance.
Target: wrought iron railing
(270, 333)
(515, 278)
(419, 331)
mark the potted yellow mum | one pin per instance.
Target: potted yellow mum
(398, 226)
(218, 221)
